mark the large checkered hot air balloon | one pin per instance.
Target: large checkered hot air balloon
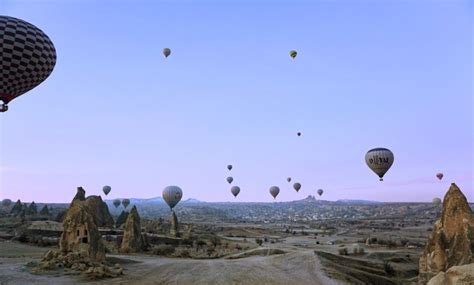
(27, 58)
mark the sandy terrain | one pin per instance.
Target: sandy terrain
(298, 267)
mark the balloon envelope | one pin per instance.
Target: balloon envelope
(436, 201)
(229, 167)
(379, 161)
(166, 52)
(27, 57)
(299, 134)
(172, 195)
(320, 192)
(293, 53)
(116, 203)
(6, 202)
(125, 203)
(229, 179)
(297, 186)
(288, 179)
(274, 190)
(106, 189)
(440, 175)
(235, 190)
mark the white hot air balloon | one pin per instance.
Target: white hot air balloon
(379, 161)
(274, 190)
(172, 195)
(235, 190)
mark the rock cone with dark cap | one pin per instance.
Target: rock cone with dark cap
(44, 211)
(16, 209)
(122, 218)
(32, 209)
(133, 240)
(452, 240)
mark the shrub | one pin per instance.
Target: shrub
(183, 253)
(265, 239)
(388, 268)
(358, 250)
(215, 241)
(343, 251)
(259, 241)
(163, 249)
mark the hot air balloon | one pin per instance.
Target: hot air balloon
(229, 167)
(6, 202)
(274, 190)
(436, 201)
(166, 52)
(235, 190)
(172, 195)
(125, 203)
(293, 54)
(288, 179)
(299, 134)
(379, 160)
(106, 189)
(320, 192)
(116, 203)
(27, 58)
(439, 175)
(297, 186)
(229, 179)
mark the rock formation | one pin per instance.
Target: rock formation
(44, 211)
(81, 233)
(463, 274)
(81, 247)
(16, 209)
(122, 218)
(102, 216)
(133, 240)
(174, 225)
(32, 210)
(452, 240)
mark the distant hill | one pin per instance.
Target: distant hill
(357, 202)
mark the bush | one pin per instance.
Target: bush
(388, 268)
(265, 239)
(163, 249)
(343, 251)
(358, 251)
(215, 241)
(259, 241)
(183, 253)
(317, 242)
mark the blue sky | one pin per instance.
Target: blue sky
(396, 74)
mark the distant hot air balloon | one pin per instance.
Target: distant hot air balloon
(172, 195)
(274, 190)
(6, 202)
(293, 54)
(125, 203)
(166, 52)
(235, 190)
(288, 179)
(27, 58)
(440, 175)
(229, 179)
(106, 189)
(297, 186)
(116, 203)
(299, 134)
(379, 160)
(320, 192)
(229, 167)
(436, 201)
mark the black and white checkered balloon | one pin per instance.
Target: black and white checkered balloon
(27, 57)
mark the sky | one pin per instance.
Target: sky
(394, 74)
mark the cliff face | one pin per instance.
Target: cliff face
(452, 240)
(102, 216)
